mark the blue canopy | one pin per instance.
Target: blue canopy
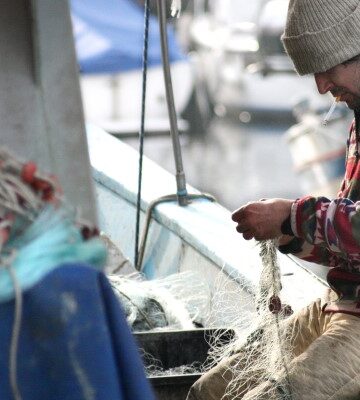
(109, 36)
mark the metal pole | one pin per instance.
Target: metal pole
(180, 175)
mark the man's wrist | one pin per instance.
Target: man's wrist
(293, 247)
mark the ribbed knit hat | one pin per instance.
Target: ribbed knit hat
(321, 34)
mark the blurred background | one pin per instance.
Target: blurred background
(250, 127)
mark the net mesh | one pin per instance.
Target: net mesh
(257, 351)
(261, 349)
(179, 301)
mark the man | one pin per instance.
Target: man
(322, 37)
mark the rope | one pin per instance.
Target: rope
(15, 334)
(142, 130)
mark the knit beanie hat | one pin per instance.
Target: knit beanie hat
(321, 34)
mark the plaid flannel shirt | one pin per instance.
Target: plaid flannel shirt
(327, 232)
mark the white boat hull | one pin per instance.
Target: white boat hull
(114, 101)
(200, 237)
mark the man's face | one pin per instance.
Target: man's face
(342, 81)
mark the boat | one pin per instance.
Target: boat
(109, 45)
(200, 238)
(99, 174)
(243, 63)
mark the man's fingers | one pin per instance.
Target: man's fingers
(263, 218)
(241, 228)
(236, 215)
(248, 235)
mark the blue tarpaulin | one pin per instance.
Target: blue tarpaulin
(74, 342)
(109, 36)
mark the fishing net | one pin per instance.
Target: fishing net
(258, 343)
(155, 368)
(179, 301)
(261, 349)
(38, 232)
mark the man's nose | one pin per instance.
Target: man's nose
(323, 83)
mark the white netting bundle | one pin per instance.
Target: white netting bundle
(254, 346)
(179, 301)
(260, 352)
(155, 368)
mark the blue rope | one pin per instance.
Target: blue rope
(51, 240)
(142, 130)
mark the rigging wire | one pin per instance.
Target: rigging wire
(142, 128)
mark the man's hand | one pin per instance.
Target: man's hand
(262, 219)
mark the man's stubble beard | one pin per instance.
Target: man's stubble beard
(354, 105)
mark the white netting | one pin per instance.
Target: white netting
(154, 367)
(260, 351)
(260, 348)
(179, 301)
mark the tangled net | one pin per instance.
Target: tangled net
(154, 367)
(261, 349)
(179, 301)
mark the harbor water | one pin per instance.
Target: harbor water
(234, 161)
